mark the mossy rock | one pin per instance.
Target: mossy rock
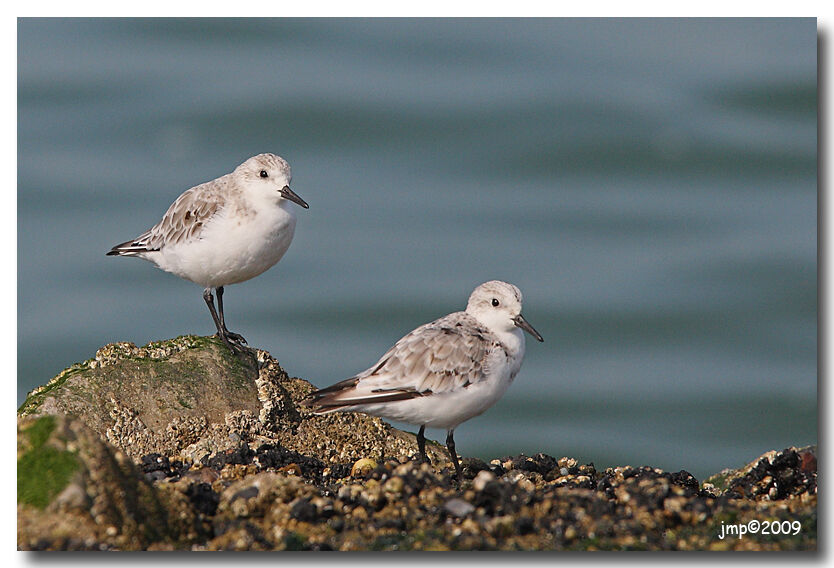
(192, 397)
(42, 471)
(159, 397)
(74, 491)
(162, 377)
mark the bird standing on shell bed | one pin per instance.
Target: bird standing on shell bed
(444, 372)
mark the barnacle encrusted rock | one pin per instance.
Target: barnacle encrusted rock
(182, 445)
(190, 396)
(163, 396)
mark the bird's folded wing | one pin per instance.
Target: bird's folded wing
(184, 220)
(438, 357)
(187, 216)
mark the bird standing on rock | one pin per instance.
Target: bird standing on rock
(224, 231)
(444, 372)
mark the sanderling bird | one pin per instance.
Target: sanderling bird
(224, 231)
(444, 372)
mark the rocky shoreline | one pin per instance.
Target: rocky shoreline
(180, 445)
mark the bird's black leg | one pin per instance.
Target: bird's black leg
(210, 303)
(235, 337)
(421, 444)
(450, 445)
(221, 332)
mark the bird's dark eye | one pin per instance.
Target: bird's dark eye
(264, 174)
(495, 302)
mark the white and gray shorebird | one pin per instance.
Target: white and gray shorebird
(444, 372)
(224, 231)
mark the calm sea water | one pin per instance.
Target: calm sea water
(650, 185)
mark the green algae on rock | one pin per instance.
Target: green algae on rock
(193, 367)
(90, 498)
(42, 471)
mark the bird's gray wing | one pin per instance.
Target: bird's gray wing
(184, 220)
(441, 356)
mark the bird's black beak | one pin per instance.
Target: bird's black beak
(287, 193)
(523, 324)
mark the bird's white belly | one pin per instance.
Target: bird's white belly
(229, 251)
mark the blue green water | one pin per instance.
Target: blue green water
(650, 185)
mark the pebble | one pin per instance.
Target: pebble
(394, 485)
(458, 507)
(363, 467)
(482, 479)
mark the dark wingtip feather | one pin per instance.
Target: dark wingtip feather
(338, 387)
(120, 248)
(318, 399)
(129, 248)
(328, 400)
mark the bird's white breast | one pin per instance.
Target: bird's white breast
(237, 244)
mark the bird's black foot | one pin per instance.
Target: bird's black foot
(235, 337)
(233, 341)
(422, 459)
